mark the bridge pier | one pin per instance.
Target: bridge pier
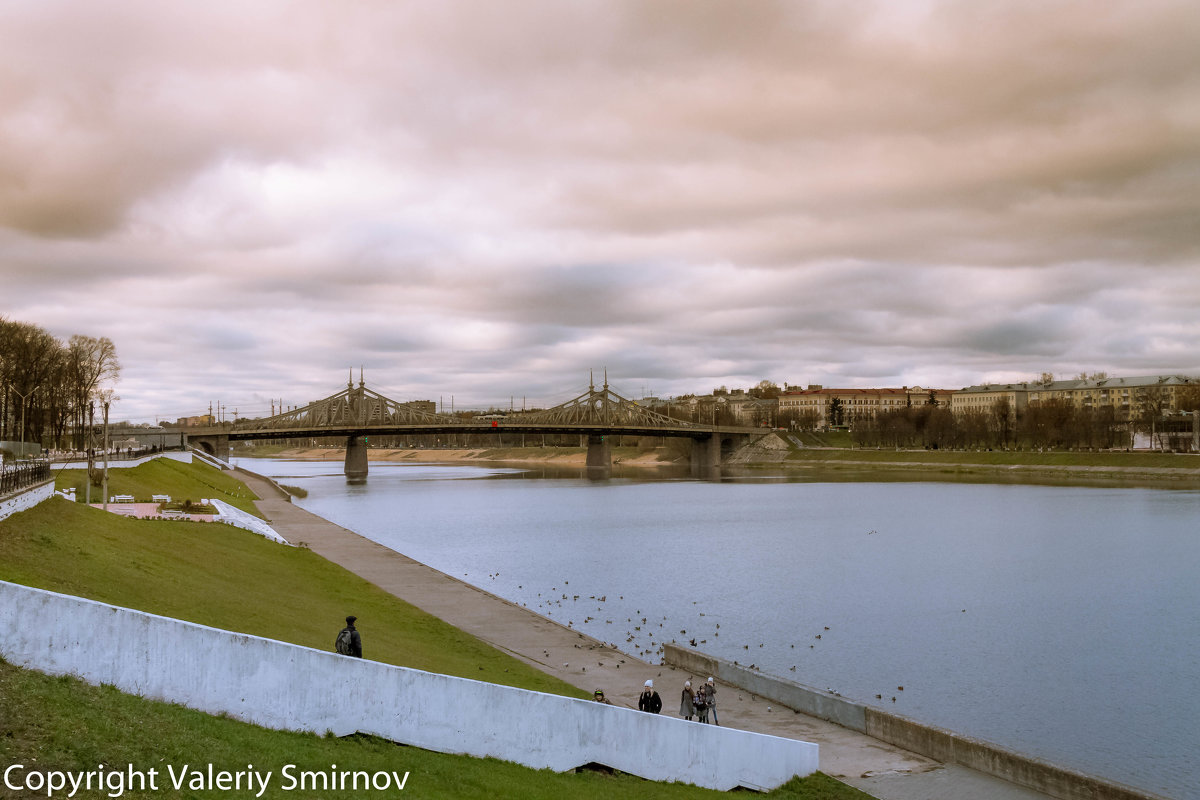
(706, 456)
(599, 457)
(356, 459)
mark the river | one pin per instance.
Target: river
(1061, 622)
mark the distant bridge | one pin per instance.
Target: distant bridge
(358, 411)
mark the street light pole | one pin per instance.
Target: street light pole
(106, 454)
(24, 398)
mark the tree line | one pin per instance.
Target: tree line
(1047, 424)
(49, 389)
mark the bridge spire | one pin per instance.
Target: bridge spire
(350, 381)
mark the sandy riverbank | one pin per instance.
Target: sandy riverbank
(545, 456)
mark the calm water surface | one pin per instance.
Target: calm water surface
(1061, 622)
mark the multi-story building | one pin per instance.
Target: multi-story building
(815, 402)
(1129, 398)
(984, 398)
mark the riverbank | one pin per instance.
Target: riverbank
(567, 457)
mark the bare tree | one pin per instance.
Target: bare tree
(1002, 419)
(765, 389)
(29, 358)
(90, 364)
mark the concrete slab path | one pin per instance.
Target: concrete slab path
(882, 770)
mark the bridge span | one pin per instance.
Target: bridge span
(358, 412)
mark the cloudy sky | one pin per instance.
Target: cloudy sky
(486, 200)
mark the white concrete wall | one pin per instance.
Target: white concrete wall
(240, 519)
(285, 686)
(175, 455)
(26, 499)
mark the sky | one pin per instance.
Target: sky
(486, 201)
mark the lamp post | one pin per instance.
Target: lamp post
(105, 489)
(108, 397)
(24, 398)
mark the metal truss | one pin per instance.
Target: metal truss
(356, 407)
(604, 408)
(360, 408)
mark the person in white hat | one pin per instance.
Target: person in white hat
(649, 700)
(687, 709)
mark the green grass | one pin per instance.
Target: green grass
(62, 723)
(229, 578)
(180, 480)
(1002, 458)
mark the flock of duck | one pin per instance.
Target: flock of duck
(641, 626)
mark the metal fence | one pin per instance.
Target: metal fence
(23, 475)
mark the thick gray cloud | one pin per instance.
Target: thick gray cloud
(488, 200)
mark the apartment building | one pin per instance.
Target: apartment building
(983, 398)
(855, 403)
(1128, 397)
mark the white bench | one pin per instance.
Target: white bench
(121, 498)
(160, 498)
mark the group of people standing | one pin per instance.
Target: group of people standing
(701, 703)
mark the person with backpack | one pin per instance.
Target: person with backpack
(700, 703)
(348, 642)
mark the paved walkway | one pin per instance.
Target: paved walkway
(880, 769)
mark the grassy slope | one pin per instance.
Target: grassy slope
(164, 476)
(63, 723)
(224, 577)
(228, 578)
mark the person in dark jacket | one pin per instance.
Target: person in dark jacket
(348, 642)
(649, 700)
(711, 700)
(687, 707)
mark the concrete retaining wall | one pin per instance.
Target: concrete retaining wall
(26, 499)
(289, 687)
(127, 463)
(927, 740)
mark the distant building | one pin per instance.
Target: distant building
(1129, 398)
(202, 421)
(751, 411)
(984, 398)
(856, 404)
